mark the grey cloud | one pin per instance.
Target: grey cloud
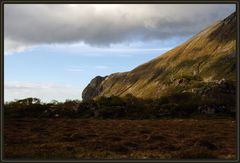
(28, 25)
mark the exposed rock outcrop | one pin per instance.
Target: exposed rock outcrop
(93, 88)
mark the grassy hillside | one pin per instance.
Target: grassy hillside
(206, 58)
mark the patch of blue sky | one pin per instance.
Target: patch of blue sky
(76, 64)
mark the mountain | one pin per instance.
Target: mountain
(209, 56)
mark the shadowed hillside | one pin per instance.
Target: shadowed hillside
(206, 59)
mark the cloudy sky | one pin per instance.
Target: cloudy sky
(53, 51)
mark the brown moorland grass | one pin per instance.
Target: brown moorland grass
(119, 139)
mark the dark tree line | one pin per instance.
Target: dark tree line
(182, 105)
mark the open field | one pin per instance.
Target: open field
(119, 139)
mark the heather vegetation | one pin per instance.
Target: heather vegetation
(181, 105)
(179, 126)
(68, 138)
(211, 100)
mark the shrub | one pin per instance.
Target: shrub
(129, 107)
(111, 112)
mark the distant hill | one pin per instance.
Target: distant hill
(209, 56)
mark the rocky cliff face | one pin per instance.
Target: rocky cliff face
(93, 88)
(208, 56)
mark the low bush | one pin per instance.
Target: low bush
(176, 105)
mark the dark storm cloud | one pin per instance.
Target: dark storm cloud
(28, 25)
